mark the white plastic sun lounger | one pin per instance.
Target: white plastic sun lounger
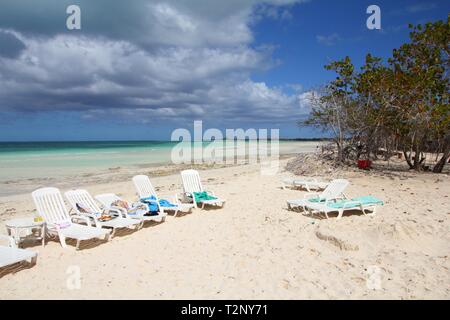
(83, 198)
(335, 190)
(145, 189)
(308, 184)
(11, 254)
(192, 183)
(50, 205)
(134, 211)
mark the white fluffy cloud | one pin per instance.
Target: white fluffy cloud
(328, 40)
(191, 60)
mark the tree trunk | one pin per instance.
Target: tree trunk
(340, 156)
(416, 164)
(440, 165)
(445, 157)
(408, 158)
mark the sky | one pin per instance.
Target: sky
(137, 70)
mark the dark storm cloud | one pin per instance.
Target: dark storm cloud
(139, 59)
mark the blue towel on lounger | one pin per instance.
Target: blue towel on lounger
(153, 207)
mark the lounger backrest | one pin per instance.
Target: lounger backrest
(82, 197)
(334, 189)
(50, 205)
(191, 181)
(107, 199)
(144, 187)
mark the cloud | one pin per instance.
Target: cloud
(329, 40)
(158, 60)
(421, 7)
(147, 23)
(414, 8)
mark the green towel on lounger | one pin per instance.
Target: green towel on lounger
(339, 204)
(355, 202)
(203, 196)
(316, 200)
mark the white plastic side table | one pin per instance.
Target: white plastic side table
(22, 228)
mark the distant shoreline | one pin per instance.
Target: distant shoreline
(144, 141)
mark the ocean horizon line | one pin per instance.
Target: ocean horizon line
(140, 140)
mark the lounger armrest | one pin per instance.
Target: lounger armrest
(175, 199)
(115, 210)
(121, 211)
(180, 197)
(188, 196)
(310, 195)
(84, 217)
(10, 240)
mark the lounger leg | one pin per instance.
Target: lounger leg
(78, 244)
(43, 232)
(223, 204)
(374, 209)
(33, 260)
(62, 240)
(341, 212)
(175, 214)
(111, 235)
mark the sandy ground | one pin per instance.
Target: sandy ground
(255, 248)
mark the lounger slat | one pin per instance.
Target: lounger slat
(144, 187)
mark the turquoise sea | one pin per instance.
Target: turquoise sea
(37, 160)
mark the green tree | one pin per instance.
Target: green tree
(403, 103)
(422, 82)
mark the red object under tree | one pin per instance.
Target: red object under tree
(364, 164)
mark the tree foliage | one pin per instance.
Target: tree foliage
(398, 105)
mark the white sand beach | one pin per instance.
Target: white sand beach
(254, 248)
(191, 95)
